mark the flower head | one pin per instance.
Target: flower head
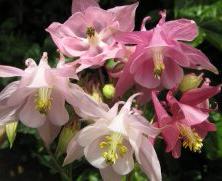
(88, 33)
(160, 54)
(38, 98)
(187, 123)
(109, 143)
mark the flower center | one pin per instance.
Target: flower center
(92, 35)
(43, 100)
(158, 62)
(190, 138)
(114, 148)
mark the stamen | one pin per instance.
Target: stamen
(158, 62)
(190, 138)
(114, 148)
(92, 36)
(43, 100)
(90, 32)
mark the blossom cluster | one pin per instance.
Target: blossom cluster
(145, 64)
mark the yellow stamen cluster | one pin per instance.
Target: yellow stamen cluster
(113, 148)
(158, 62)
(190, 138)
(90, 32)
(92, 36)
(43, 100)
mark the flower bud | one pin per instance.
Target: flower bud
(11, 131)
(109, 91)
(66, 135)
(189, 82)
(110, 64)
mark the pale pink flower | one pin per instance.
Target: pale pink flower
(187, 124)
(88, 33)
(38, 98)
(160, 55)
(110, 143)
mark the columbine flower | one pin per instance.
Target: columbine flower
(160, 55)
(38, 99)
(109, 144)
(88, 33)
(188, 125)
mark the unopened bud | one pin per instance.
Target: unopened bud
(189, 82)
(65, 136)
(11, 131)
(110, 64)
(109, 91)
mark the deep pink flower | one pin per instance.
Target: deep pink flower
(88, 33)
(109, 143)
(38, 98)
(160, 54)
(187, 123)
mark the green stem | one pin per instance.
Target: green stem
(63, 174)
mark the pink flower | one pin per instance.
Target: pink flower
(187, 125)
(88, 33)
(38, 98)
(160, 54)
(109, 144)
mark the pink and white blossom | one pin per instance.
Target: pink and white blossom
(88, 33)
(110, 143)
(160, 55)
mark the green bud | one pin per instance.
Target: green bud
(66, 135)
(189, 82)
(109, 91)
(110, 64)
(11, 130)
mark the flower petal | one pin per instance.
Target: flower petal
(149, 161)
(108, 174)
(48, 132)
(93, 154)
(82, 5)
(125, 15)
(74, 151)
(181, 29)
(58, 114)
(29, 116)
(7, 71)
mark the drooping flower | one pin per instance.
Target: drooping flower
(88, 33)
(38, 98)
(109, 144)
(160, 54)
(187, 123)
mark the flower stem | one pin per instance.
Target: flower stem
(61, 171)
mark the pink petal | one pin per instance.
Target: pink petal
(197, 59)
(149, 161)
(48, 132)
(136, 37)
(8, 114)
(29, 116)
(125, 15)
(181, 29)
(125, 164)
(199, 95)
(8, 91)
(82, 5)
(176, 152)
(172, 74)
(108, 174)
(144, 74)
(94, 156)
(74, 151)
(58, 114)
(91, 133)
(205, 127)
(161, 113)
(7, 71)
